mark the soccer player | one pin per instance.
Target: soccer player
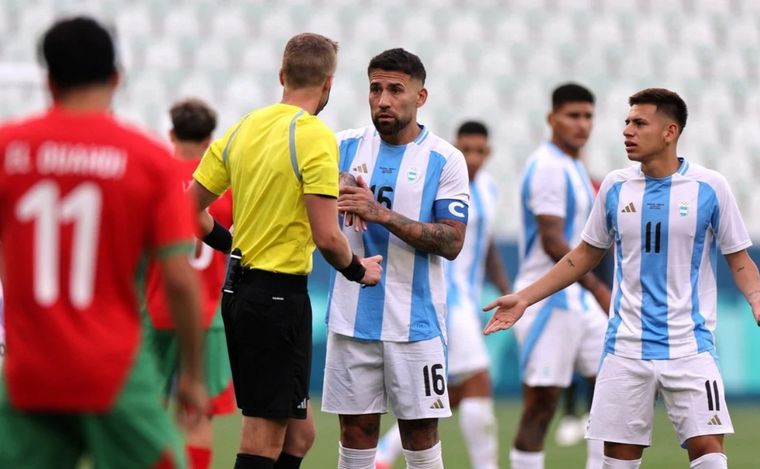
(83, 200)
(468, 361)
(281, 162)
(388, 342)
(667, 218)
(560, 334)
(193, 122)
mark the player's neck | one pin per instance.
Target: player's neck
(307, 99)
(406, 135)
(661, 165)
(566, 149)
(91, 99)
(188, 151)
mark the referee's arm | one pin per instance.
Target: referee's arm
(322, 211)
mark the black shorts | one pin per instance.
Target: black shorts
(268, 326)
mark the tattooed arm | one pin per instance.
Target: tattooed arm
(551, 232)
(568, 270)
(444, 238)
(747, 279)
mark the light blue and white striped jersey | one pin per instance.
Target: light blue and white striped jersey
(465, 274)
(553, 184)
(409, 303)
(666, 234)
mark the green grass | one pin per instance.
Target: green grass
(664, 453)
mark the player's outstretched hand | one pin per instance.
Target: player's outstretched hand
(510, 308)
(361, 202)
(192, 401)
(373, 270)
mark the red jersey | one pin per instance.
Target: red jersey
(210, 264)
(83, 200)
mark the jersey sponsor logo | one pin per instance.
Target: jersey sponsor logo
(630, 208)
(413, 174)
(683, 209)
(455, 208)
(362, 168)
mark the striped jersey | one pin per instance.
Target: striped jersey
(409, 303)
(666, 233)
(465, 274)
(558, 185)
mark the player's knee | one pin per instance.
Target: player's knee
(420, 434)
(703, 445)
(359, 431)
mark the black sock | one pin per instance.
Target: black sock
(252, 461)
(288, 461)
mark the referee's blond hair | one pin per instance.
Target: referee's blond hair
(308, 60)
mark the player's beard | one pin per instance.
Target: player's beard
(390, 130)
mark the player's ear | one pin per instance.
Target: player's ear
(670, 134)
(550, 119)
(328, 82)
(282, 77)
(422, 96)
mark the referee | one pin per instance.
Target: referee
(281, 163)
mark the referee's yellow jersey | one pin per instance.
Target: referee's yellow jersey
(270, 159)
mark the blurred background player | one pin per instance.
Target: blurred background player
(281, 163)
(193, 122)
(388, 343)
(667, 218)
(468, 361)
(561, 334)
(82, 200)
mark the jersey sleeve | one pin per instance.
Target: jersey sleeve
(548, 191)
(598, 231)
(316, 152)
(172, 224)
(212, 172)
(727, 222)
(454, 183)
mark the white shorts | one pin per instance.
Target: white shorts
(361, 376)
(555, 342)
(626, 389)
(467, 348)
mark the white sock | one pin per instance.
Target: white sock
(612, 463)
(478, 424)
(350, 458)
(710, 461)
(526, 459)
(594, 454)
(390, 446)
(424, 459)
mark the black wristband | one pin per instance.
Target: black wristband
(219, 238)
(355, 270)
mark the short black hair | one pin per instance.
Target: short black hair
(78, 51)
(192, 120)
(666, 101)
(571, 93)
(398, 60)
(472, 128)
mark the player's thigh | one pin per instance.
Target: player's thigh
(416, 379)
(693, 392)
(467, 352)
(549, 346)
(216, 362)
(137, 432)
(592, 342)
(163, 343)
(354, 377)
(37, 441)
(622, 410)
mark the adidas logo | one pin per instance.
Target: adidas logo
(438, 404)
(715, 420)
(630, 208)
(302, 405)
(362, 168)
